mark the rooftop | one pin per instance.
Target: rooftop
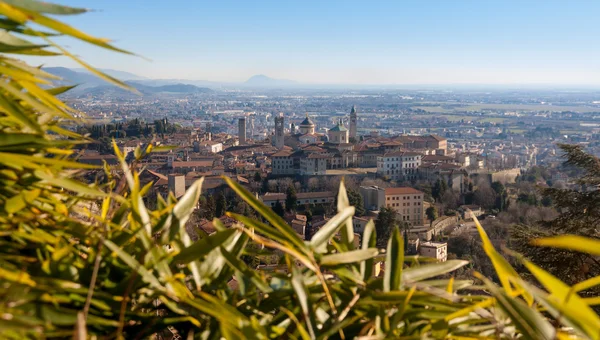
(402, 191)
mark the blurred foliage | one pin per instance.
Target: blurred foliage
(81, 260)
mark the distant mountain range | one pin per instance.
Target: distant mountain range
(87, 81)
(264, 81)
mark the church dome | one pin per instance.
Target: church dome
(307, 122)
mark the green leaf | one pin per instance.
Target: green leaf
(15, 203)
(528, 321)
(321, 238)
(414, 274)
(69, 184)
(305, 304)
(202, 247)
(342, 203)
(394, 261)
(134, 264)
(349, 257)
(369, 240)
(504, 270)
(55, 91)
(44, 7)
(566, 299)
(275, 220)
(260, 227)
(571, 242)
(240, 266)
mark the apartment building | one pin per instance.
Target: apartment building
(282, 163)
(407, 202)
(400, 165)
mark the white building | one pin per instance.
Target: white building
(399, 165)
(211, 146)
(435, 250)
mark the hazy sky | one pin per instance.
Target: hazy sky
(374, 42)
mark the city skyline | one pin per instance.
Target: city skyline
(348, 43)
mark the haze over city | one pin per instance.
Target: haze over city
(348, 42)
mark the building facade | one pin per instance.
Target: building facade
(282, 163)
(407, 202)
(338, 134)
(313, 164)
(438, 251)
(399, 165)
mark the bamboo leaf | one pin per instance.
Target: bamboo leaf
(302, 295)
(259, 227)
(240, 266)
(188, 202)
(44, 7)
(275, 220)
(55, 91)
(369, 240)
(134, 264)
(342, 203)
(394, 261)
(504, 270)
(15, 203)
(566, 300)
(69, 184)
(349, 257)
(529, 321)
(414, 274)
(571, 242)
(321, 238)
(202, 247)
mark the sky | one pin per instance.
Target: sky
(347, 42)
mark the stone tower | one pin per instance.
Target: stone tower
(279, 141)
(242, 131)
(353, 118)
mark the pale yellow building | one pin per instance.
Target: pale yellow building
(407, 202)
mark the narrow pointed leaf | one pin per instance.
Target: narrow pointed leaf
(321, 238)
(394, 261)
(349, 257)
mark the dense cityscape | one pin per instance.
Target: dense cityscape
(431, 158)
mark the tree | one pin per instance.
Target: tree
(485, 196)
(209, 210)
(278, 209)
(257, 177)
(221, 205)
(431, 214)
(356, 201)
(386, 222)
(579, 214)
(291, 199)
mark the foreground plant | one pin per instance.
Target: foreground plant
(82, 260)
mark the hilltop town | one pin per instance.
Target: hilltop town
(432, 178)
